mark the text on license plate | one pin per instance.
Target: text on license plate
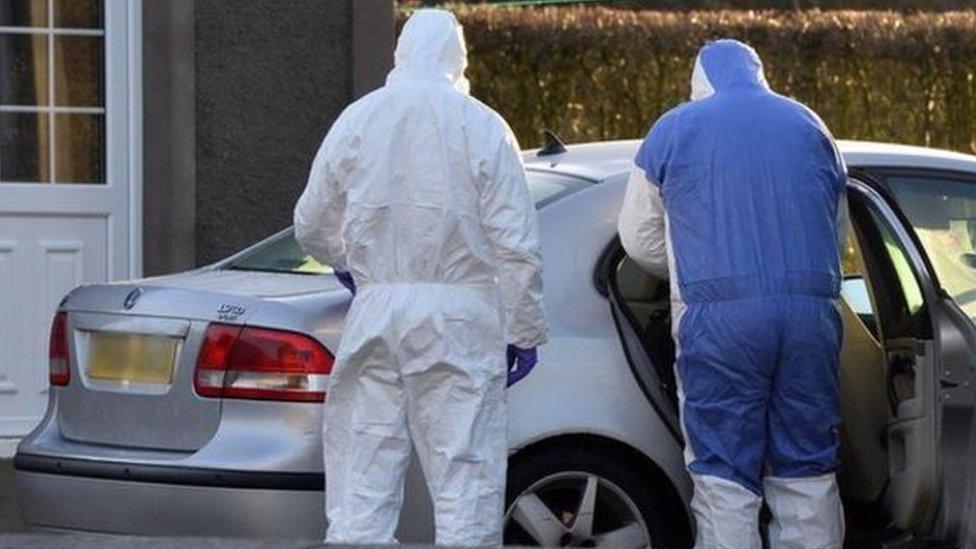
(131, 357)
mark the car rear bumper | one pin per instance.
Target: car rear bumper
(83, 495)
(168, 474)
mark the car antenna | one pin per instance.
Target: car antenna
(554, 145)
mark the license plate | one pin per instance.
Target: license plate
(133, 358)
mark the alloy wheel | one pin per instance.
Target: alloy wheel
(575, 509)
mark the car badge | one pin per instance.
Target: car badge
(130, 300)
(228, 312)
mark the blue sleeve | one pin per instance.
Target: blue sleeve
(836, 160)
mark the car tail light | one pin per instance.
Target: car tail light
(262, 364)
(59, 372)
(218, 342)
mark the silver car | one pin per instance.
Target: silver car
(190, 404)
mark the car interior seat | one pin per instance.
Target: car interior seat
(648, 302)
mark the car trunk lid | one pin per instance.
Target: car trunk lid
(133, 349)
(132, 383)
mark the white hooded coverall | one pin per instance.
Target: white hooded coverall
(418, 190)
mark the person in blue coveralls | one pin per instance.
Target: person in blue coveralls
(736, 196)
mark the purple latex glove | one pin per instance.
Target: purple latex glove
(346, 279)
(520, 363)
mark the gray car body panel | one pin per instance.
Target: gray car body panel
(583, 385)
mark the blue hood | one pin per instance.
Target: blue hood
(729, 64)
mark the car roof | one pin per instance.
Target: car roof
(600, 160)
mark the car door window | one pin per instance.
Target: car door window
(902, 308)
(942, 212)
(911, 291)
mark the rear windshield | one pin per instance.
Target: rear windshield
(282, 254)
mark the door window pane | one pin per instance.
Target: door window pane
(23, 62)
(942, 211)
(24, 147)
(78, 80)
(901, 309)
(78, 14)
(23, 13)
(910, 288)
(79, 142)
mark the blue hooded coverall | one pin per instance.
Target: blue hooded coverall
(736, 196)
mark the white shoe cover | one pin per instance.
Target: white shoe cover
(807, 512)
(726, 513)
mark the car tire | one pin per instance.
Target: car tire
(559, 476)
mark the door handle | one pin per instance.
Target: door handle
(946, 384)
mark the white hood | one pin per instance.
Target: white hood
(701, 88)
(431, 45)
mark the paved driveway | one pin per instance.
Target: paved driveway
(9, 515)
(81, 541)
(10, 526)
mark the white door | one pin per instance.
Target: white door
(70, 174)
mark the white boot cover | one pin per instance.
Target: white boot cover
(807, 512)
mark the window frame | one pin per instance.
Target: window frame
(881, 203)
(880, 175)
(876, 178)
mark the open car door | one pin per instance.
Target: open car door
(910, 378)
(920, 330)
(640, 304)
(935, 212)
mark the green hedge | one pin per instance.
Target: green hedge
(923, 5)
(599, 73)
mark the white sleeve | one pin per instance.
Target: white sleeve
(321, 208)
(642, 224)
(509, 219)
